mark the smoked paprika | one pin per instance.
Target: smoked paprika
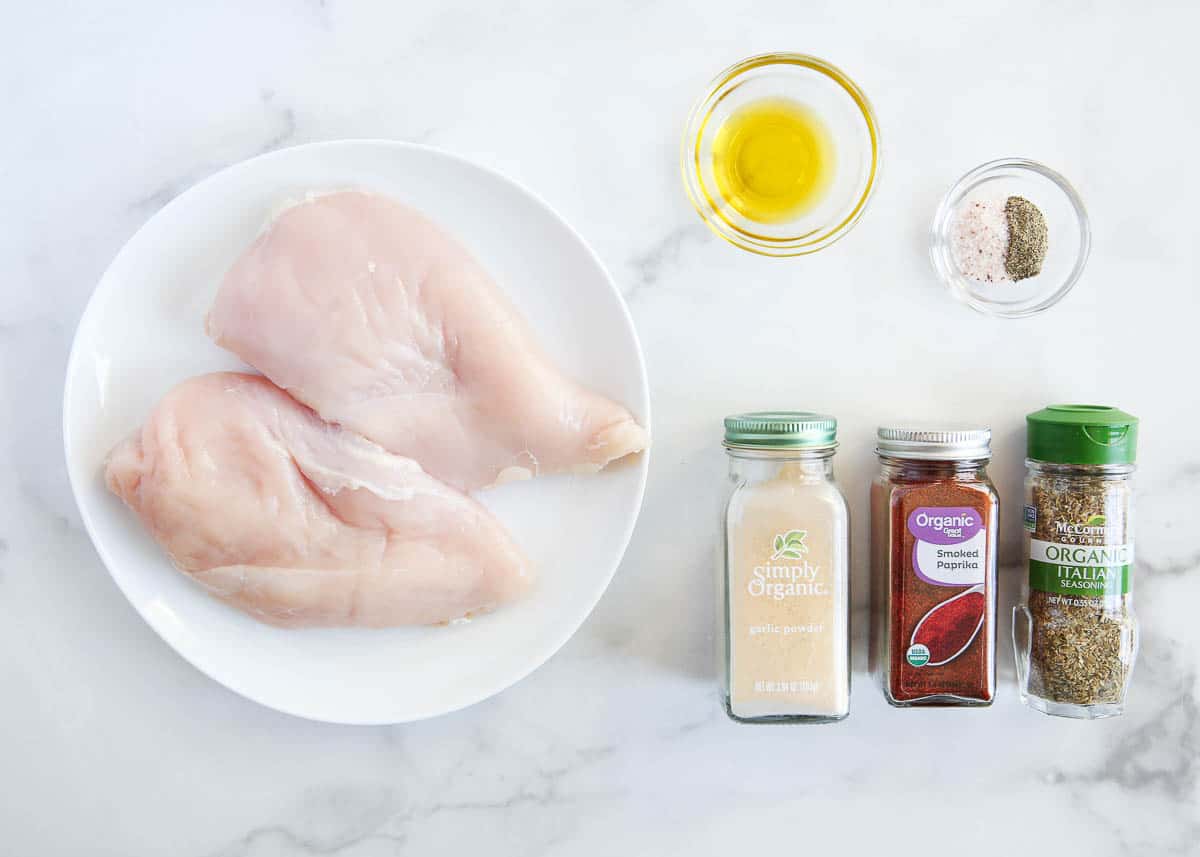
(951, 626)
(933, 547)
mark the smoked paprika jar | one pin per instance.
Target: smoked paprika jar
(934, 514)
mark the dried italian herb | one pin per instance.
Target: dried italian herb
(1080, 647)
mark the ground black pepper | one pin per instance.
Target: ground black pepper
(1027, 238)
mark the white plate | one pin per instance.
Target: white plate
(142, 332)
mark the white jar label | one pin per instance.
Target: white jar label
(951, 545)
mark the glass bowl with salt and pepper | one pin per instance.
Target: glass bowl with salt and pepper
(1010, 239)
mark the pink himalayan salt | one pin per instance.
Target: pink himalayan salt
(979, 240)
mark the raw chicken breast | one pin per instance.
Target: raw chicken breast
(381, 322)
(298, 522)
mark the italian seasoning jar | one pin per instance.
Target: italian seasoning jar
(786, 623)
(933, 559)
(1074, 632)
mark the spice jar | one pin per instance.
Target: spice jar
(934, 519)
(786, 609)
(1074, 633)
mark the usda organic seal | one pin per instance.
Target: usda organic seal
(917, 654)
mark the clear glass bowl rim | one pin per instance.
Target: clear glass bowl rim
(693, 134)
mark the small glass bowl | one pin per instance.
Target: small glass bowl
(1070, 237)
(851, 123)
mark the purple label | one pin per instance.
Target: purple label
(950, 548)
(950, 525)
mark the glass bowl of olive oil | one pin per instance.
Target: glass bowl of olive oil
(781, 154)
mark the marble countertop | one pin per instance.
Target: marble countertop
(110, 744)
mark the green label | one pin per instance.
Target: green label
(1084, 571)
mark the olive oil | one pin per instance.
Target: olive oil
(773, 160)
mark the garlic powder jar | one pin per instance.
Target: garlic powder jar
(785, 628)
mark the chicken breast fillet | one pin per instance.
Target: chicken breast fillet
(381, 322)
(298, 522)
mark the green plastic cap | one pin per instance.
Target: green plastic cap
(781, 430)
(1082, 434)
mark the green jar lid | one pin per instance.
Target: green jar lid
(781, 430)
(1082, 434)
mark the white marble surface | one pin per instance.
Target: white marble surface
(111, 744)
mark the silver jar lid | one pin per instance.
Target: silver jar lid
(935, 443)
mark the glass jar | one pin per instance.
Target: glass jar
(786, 608)
(1074, 633)
(934, 516)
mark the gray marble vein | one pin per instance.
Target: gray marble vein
(651, 264)
(281, 122)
